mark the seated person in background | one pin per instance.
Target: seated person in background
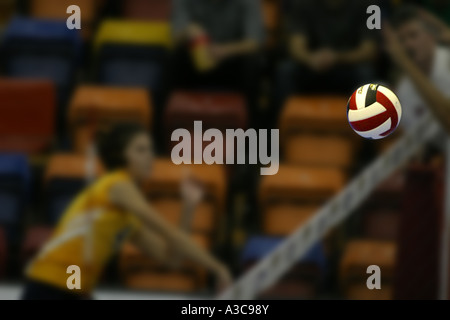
(425, 85)
(217, 42)
(330, 48)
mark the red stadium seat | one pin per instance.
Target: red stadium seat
(95, 106)
(35, 238)
(216, 110)
(27, 111)
(3, 252)
(147, 9)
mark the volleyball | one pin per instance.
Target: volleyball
(374, 111)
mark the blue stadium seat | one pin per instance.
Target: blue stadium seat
(15, 179)
(34, 48)
(258, 247)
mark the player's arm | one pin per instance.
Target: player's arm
(364, 52)
(439, 103)
(128, 197)
(151, 244)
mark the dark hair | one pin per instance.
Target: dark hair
(112, 142)
(406, 14)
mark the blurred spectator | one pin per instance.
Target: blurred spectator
(330, 48)
(217, 42)
(426, 66)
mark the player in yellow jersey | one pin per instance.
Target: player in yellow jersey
(109, 209)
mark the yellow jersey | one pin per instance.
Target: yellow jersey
(86, 236)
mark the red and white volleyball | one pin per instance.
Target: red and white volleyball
(374, 111)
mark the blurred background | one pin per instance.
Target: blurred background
(231, 64)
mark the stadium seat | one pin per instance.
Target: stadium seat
(57, 10)
(94, 106)
(166, 178)
(316, 150)
(15, 184)
(153, 10)
(360, 254)
(300, 282)
(44, 49)
(204, 220)
(35, 237)
(321, 114)
(65, 176)
(282, 220)
(217, 110)
(300, 184)
(361, 292)
(28, 110)
(3, 252)
(138, 271)
(132, 53)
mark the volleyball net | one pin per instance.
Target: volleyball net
(271, 268)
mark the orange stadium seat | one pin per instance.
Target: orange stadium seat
(320, 114)
(166, 177)
(49, 9)
(359, 254)
(27, 111)
(147, 9)
(94, 106)
(315, 150)
(294, 183)
(65, 176)
(35, 238)
(203, 221)
(67, 165)
(361, 292)
(141, 272)
(282, 220)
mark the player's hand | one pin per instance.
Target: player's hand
(223, 278)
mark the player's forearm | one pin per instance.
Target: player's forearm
(365, 52)
(242, 47)
(438, 103)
